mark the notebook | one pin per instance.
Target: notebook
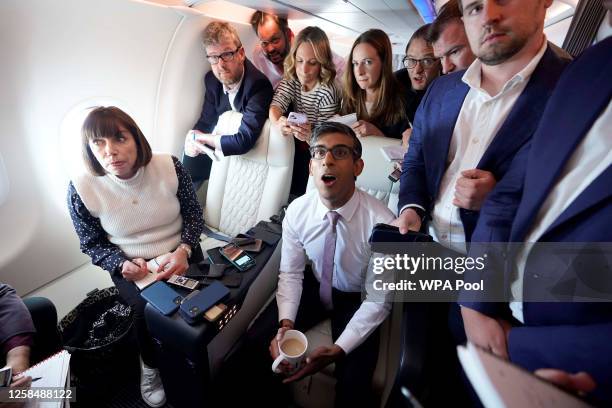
(152, 266)
(499, 383)
(54, 373)
(394, 153)
(347, 120)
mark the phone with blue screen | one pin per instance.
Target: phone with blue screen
(238, 257)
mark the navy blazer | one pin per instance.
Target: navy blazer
(252, 100)
(571, 336)
(426, 160)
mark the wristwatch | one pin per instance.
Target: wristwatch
(185, 248)
(420, 212)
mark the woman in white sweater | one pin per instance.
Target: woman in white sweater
(129, 207)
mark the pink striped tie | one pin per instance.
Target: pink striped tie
(325, 290)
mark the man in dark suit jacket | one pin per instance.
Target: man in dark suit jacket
(232, 84)
(471, 123)
(558, 189)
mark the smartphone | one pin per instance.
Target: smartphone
(248, 243)
(162, 297)
(183, 282)
(296, 118)
(238, 257)
(210, 152)
(242, 241)
(254, 247)
(215, 271)
(233, 280)
(265, 234)
(6, 375)
(395, 175)
(215, 257)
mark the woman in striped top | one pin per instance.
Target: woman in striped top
(308, 87)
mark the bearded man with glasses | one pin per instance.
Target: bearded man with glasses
(232, 84)
(420, 68)
(275, 39)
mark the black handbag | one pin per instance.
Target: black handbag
(104, 353)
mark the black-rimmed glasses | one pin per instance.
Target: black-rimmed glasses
(425, 62)
(225, 56)
(339, 152)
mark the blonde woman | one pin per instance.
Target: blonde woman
(308, 87)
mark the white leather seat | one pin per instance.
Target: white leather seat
(374, 178)
(318, 390)
(243, 190)
(248, 188)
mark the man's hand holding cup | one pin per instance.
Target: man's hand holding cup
(288, 349)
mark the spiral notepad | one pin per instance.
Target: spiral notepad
(54, 372)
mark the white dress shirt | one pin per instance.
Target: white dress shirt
(231, 92)
(231, 95)
(304, 229)
(480, 118)
(591, 158)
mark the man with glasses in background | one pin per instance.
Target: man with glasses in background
(275, 38)
(234, 84)
(420, 68)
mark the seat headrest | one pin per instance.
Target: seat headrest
(374, 178)
(274, 150)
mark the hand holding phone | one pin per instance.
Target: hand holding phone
(199, 140)
(6, 375)
(395, 175)
(296, 118)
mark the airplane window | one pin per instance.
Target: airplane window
(67, 161)
(70, 132)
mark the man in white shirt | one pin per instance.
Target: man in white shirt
(469, 125)
(327, 227)
(275, 39)
(557, 191)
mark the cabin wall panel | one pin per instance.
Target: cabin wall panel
(62, 55)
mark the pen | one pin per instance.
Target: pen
(36, 379)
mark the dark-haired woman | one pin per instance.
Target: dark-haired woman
(130, 206)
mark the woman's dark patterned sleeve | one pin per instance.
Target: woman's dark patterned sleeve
(93, 238)
(191, 211)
